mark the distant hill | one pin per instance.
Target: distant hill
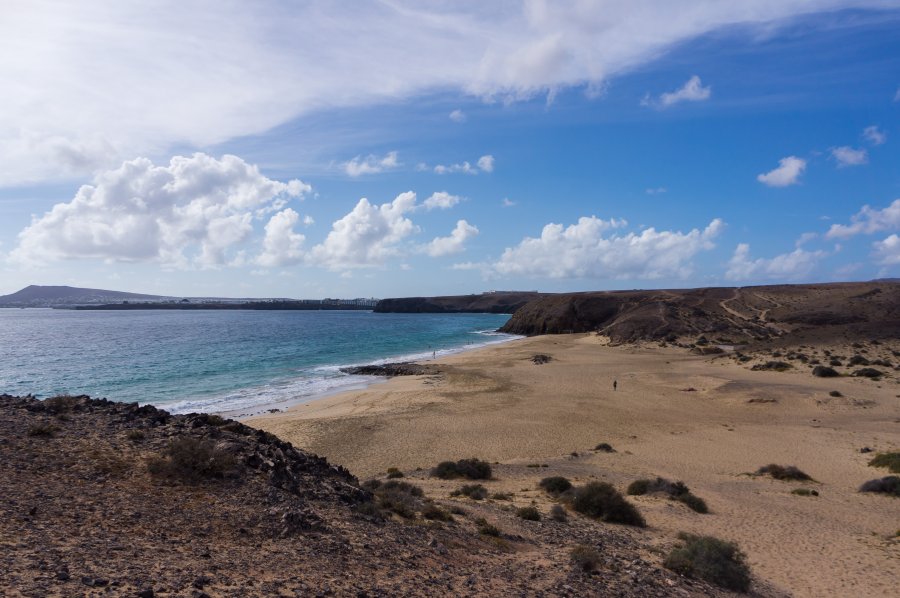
(52, 296)
(808, 311)
(498, 302)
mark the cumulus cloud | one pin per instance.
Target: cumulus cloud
(887, 252)
(486, 163)
(586, 250)
(192, 211)
(213, 75)
(368, 235)
(787, 266)
(874, 135)
(868, 221)
(441, 200)
(371, 164)
(458, 116)
(282, 246)
(847, 156)
(455, 243)
(691, 91)
(483, 164)
(787, 173)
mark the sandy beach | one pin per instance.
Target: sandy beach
(496, 404)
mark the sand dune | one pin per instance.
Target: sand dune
(707, 422)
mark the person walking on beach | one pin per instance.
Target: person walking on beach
(615, 384)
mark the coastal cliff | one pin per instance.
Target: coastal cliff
(501, 302)
(741, 314)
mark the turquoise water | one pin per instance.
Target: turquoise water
(217, 361)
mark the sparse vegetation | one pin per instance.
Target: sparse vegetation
(189, 460)
(558, 513)
(487, 529)
(472, 469)
(135, 435)
(823, 371)
(889, 460)
(60, 404)
(585, 557)
(675, 490)
(783, 472)
(501, 496)
(432, 512)
(401, 498)
(602, 501)
(393, 473)
(43, 429)
(529, 513)
(712, 560)
(555, 485)
(775, 366)
(835, 393)
(605, 447)
(804, 492)
(473, 491)
(889, 485)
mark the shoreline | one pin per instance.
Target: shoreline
(708, 422)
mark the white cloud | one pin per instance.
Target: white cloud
(874, 135)
(281, 245)
(486, 163)
(887, 252)
(441, 200)
(583, 250)
(455, 243)
(656, 190)
(788, 266)
(483, 164)
(847, 156)
(368, 235)
(691, 91)
(371, 164)
(897, 95)
(458, 116)
(788, 172)
(805, 238)
(507, 202)
(308, 220)
(868, 221)
(86, 84)
(191, 211)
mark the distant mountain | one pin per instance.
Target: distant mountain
(41, 296)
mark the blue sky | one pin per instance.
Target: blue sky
(225, 149)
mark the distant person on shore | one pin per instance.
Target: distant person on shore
(615, 384)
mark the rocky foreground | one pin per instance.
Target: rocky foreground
(103, 498)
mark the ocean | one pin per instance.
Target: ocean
(236, 362)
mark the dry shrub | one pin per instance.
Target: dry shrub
(712, 560)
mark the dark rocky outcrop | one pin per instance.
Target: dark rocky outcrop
(391, 369)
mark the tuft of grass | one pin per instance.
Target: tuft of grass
(528, 513)
(135, 435)
(710, 559)
(432, 512)
(555, 485)
(501, 496)
(889, 460)
(472, 469)
(783, 472)
(889, 485)
(487, 529)
(401, 498)
(473, 491)
(191, 461)
(804, 492)
(60, 404)
(675, 490)
(558, 513)
(393, 473)
(605, 447)
(602, 501)
(584, 557)
(43, 429)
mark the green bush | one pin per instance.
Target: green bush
(783, 472)
(600, 500)
(555, 485)
(528, 513)
(472, 469)
(473, 491)
(674, 490)
(585, 557)
(401, 498)
(710, 559)
(889, 460)
(189, 460)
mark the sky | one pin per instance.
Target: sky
(397, 148)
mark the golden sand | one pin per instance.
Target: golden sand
(495, 404)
